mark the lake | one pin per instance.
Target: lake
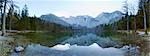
(81, 44)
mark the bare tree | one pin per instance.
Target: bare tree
(133, 12)
(144, 13)
(142, 4)
(4, 19)
(126, 10)
(4, 4)
(1, 9)
(11, 11)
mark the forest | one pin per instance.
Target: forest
(19, 20)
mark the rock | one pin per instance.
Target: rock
(125, 47)
(19, 49)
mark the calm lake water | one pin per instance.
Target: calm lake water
(77, 44)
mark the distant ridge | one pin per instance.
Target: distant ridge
(84, 20)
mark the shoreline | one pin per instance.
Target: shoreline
(10, 44)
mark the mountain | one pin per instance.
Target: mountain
(54, 19)
(81, 21)
(108, 18)
(85, 21)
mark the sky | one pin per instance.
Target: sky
(69, 8)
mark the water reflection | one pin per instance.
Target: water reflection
(90, 38)
(72, 50)
(87, 44)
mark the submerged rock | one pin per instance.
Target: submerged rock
(19, 49)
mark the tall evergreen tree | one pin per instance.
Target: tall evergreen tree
(25, 19)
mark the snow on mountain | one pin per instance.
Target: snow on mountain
(107, 18)
(85, 20)
(54, 19)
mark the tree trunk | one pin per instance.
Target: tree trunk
(135, 24)
(11, 15)
(1, 18)
(128, 29)
(4, 20)
(144, 13)
(10, 23)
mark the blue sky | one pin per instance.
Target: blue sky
(70, 7)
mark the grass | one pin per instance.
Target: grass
(137, 41)
(124, 40)
(132, 39)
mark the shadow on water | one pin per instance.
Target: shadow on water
(85, 39)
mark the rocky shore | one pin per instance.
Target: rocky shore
(6, 45)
